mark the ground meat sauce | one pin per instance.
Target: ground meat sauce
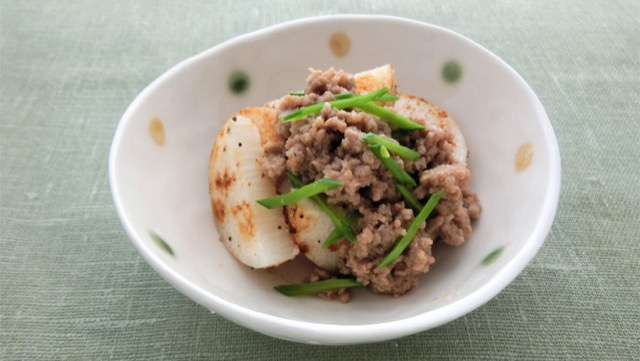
(330, 146)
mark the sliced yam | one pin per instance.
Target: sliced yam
(265, 119)
(416, 108)
(256, 236)
(374, 79)
(310, 226)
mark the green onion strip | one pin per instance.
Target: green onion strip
(391, 145)
(346, 95)
(411, 231)
(336, 234)
(347, 102)
(382, 99)
(384, 152)
(315, 287)
(409, 197)
(391, 117)
(307, 191)
(396, 170)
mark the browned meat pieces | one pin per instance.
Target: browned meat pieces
(330, 145)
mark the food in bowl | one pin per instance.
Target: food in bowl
(358, 177)
(193, 100)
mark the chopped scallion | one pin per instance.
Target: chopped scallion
(344, 96)
(384, 98)
(391, 145)
(391, 117)
(409, 197)
(294, 180)
(307, 191)
(388, 98)
(315, 287)
(384, 152)
(348, 102)
(299, 93)
(411, 231)
(396, 170)
(336, 234)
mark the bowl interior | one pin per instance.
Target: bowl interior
(161, 190)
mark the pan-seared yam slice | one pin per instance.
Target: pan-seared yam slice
(374, 79)
(256, 236)
(310, 226)
(414, 107)
(265, 119)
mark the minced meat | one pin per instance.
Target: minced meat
(330, 146)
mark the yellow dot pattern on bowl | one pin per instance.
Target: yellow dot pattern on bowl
(340, 44)
(451, 71)
(161, 243)
(156, 130)
(238, 82)
(524, 156)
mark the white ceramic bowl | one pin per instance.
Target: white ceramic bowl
(160, 154)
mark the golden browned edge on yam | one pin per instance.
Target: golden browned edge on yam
(376, 78)
(262, 117)
(441, 114)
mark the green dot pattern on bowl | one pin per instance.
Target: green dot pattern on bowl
(451, 71)
(161, 243)
(492, 257)
(239, 82)
(340, 44)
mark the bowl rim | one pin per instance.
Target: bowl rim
(336, 334)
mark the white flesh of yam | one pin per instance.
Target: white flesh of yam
(256, 236)
(374, 79)
(310, 227)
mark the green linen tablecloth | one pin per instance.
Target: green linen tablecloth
(73, 286)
